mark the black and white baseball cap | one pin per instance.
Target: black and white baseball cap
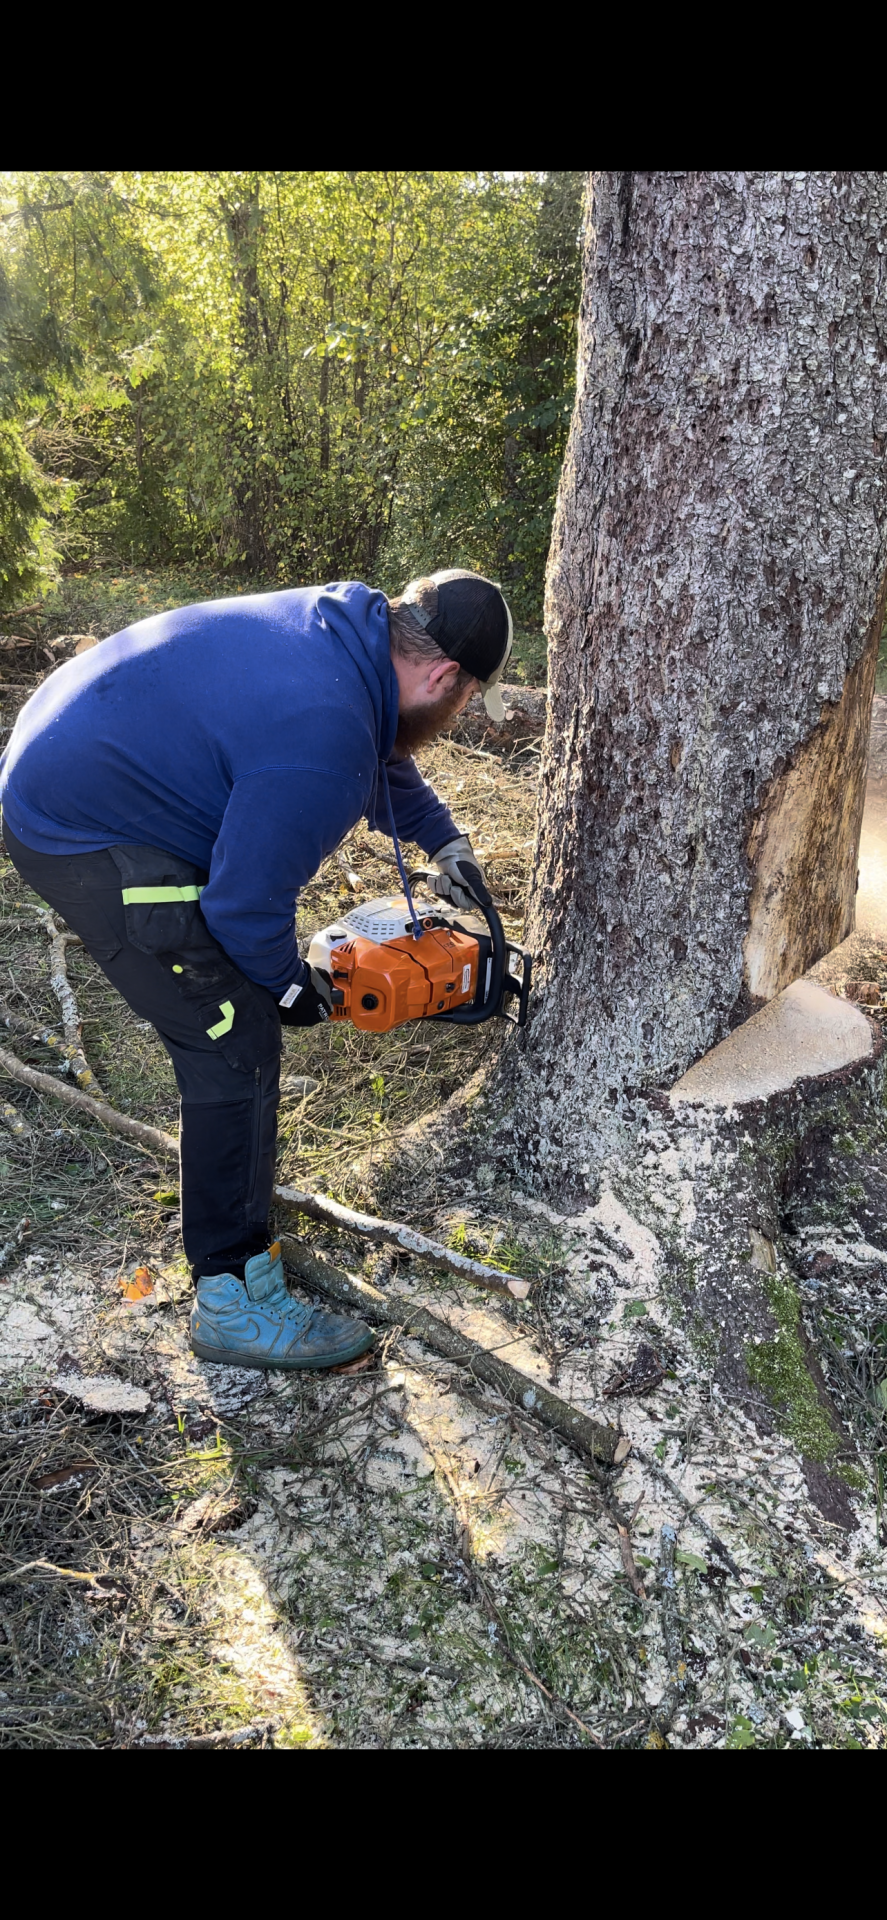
(469, 618)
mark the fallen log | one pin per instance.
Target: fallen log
(595, 1442)
(150, 1137)
(319, 1207)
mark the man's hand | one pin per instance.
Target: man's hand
(308, 1005)
(460, 876)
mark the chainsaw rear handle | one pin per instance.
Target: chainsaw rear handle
(502, 982)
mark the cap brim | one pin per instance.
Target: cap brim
(494, 703)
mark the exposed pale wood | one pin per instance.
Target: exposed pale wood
(319, 1207)
(150, 1137)
(804, 845)
(586, 1436)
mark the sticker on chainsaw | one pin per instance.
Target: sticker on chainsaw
(292, 993)
(466, 978)
(487, 981)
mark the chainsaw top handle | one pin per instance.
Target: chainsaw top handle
(500, 980)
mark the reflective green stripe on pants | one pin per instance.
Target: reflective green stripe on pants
(147, 896)
(225, 1025)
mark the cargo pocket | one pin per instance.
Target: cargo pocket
(161, 904)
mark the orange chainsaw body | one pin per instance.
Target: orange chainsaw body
(384, 983)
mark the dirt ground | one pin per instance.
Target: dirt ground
(395, 1556)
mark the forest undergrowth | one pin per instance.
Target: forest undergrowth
(393, 1556)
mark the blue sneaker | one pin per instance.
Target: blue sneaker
(254, 1322)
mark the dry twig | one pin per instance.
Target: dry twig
(588, 1438)
(319, 1207)
(150, 1137)
(628, 1562)
(671, 1633)
(60, 1573)
(66, 1051)
(11, 1245)
(15, 1121)
(352, 880)
(64, 993)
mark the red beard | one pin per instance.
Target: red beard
(417, 725)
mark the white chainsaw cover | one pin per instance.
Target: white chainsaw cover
(378, 920)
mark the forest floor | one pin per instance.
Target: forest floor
(393, 1556)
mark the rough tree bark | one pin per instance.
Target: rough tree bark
(714, 601)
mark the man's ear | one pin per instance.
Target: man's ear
(442, 677)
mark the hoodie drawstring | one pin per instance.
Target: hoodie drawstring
(417, 930)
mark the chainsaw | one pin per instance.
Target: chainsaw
(398, 959)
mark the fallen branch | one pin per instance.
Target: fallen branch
(45, 1035)
(12, 1245)
(692, 1512)
(15, 1121)
(64, 993)
(587, 1437)
(627, 1557)
(672, 1698)
(235, 1737)
(103, 1582)
(352, 880)
(555, 1698)
(150, 1137)
(319, 1207)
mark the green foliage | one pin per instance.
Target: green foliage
(741, 1735)
(25, 543)
(299, 375)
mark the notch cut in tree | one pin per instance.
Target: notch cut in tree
(714, 602)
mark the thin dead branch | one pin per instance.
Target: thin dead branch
(393, 1232)
(671, 1633)
(60, 939)
(352, 880)
(65, 1051)
(149, 1137)
(699, 1520)
(12, 1245)
(15, 1121)
(587, 1437)
(102, 1582)
(555, 1699)
(259, 1730)
(634, 1578)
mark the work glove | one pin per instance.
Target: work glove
(311, 1004)
(460, 876)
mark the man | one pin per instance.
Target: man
(170, 792)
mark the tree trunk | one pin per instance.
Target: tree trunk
(714, 602)
(243, 223)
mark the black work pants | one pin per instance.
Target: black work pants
(221, 1030)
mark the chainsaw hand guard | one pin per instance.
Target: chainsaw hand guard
(496, 983)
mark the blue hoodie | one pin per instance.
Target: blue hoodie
(243, 735)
